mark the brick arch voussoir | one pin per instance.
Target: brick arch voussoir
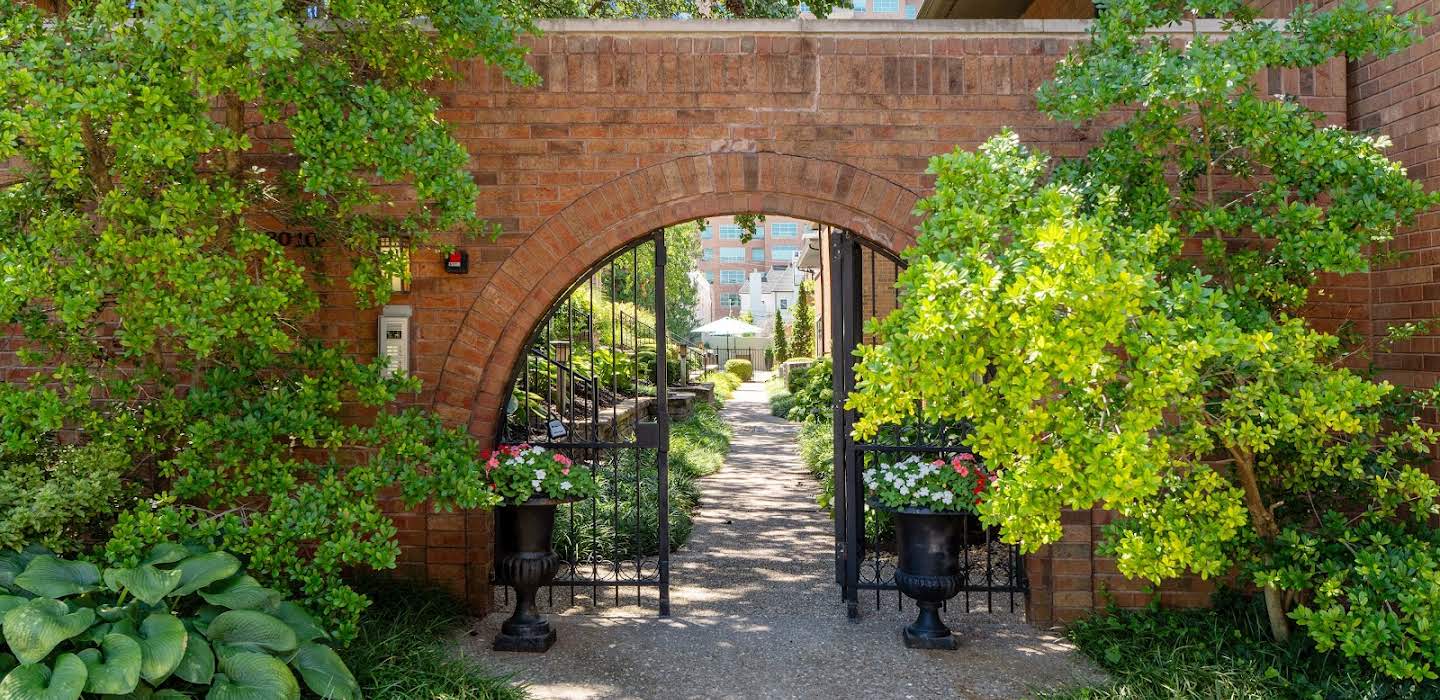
(491, 338)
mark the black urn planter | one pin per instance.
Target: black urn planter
(526, 562)
(929, 568)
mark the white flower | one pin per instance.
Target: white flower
(536, 450)
(539, 473)
(564, 486)
(904, 491)
(924, 492)
(536, 484)
(947, 497)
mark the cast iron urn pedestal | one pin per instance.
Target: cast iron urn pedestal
(929, 569)
(522, 533)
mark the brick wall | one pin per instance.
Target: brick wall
(642, 125)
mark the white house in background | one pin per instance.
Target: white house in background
(770, 292)
(704, 298)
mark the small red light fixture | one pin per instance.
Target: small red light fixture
(457, 262)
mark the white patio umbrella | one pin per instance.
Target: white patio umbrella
(728, 327)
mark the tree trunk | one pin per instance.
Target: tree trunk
(1265, 526)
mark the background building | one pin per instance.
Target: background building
(873, 9)
(727, 263)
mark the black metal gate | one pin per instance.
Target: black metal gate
(861, 287)
(593, 386)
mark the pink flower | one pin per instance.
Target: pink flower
(492, 463)
(562, 459)
(938, 463)
(966, 457)
(565, 470)
(962, 470)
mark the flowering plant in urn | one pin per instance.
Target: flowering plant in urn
(521, 472)
(955, 485)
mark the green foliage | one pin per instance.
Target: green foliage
(780, 345)
(181, 620)
(814, 391)
(135, 231)
(779, 397)
(630, 277)
(405, 648)
(740, 368)
(61, 496)
(1376, 588)
(725, 383)
(802, 322)
(521, 472)
(817, 452)
(1099, 365)
(1161, 654)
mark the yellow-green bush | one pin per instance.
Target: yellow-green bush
(740, 368)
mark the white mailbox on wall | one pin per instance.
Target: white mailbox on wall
(393, 338)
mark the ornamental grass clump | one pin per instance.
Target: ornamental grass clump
(956, 485)
(522, 472)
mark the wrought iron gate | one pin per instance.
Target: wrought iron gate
(593, 386)
(861, 287)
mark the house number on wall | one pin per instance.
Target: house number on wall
(295, 239)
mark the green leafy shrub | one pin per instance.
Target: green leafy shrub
(266, 471)
(174, 329)
(62, 497)
(725, 383)
(817, 452)
(1103, 363)
(740, 368)
(814, 391)
(1221, 652)
(182, 621)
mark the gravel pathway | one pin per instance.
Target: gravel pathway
(757, 614)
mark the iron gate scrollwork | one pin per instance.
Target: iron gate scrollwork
(862, 287)
(592, 385)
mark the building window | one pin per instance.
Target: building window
(784, 303)
(912, 11)
(732, 276)
(785, 230)
(709, 275)
(803, 9)
(707, 233)
(730, 232)
(758, 255)
(785, 253)
(732, 254)
(730, 300)
(707, 254)
(858, 5)
(887, 5)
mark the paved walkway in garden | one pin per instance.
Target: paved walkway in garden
(756, 612)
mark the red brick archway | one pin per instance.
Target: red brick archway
(492, 334)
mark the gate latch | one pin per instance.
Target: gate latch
(648, 436)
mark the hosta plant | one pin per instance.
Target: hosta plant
(186, 622)
(956, 485)
(521, 472)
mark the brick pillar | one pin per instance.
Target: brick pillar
(1072, 567)
(480, 529)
